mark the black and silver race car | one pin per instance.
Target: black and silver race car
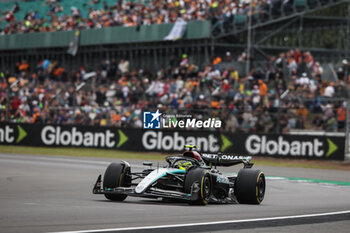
(190, 177)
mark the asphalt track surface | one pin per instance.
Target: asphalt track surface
(51, 194)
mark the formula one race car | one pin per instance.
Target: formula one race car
(190, 177)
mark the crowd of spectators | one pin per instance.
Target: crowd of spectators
(132, 13)
(265, 100)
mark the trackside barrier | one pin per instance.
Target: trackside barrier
(266, 145)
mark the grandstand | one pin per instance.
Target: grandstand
(275, 28)
(319, 26)
(300, 46)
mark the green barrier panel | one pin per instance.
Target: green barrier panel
(300, 3)
(145, 33)
(240, 19)
(36, 40)
(112, 35)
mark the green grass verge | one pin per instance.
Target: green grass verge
(90, 152)
(344, 183)
(79, 152)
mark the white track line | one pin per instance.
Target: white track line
(209, 223)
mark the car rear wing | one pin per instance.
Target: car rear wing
(226, 160)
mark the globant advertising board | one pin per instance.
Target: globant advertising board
(170, 141)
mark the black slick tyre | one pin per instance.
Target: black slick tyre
(114, 177)
(202, 178)
(250, 186)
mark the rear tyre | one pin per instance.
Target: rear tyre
(250, 186)
(202, 179)
(115, 176)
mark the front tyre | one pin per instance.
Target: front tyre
(201, 179)
(250, 186)
(115, 176)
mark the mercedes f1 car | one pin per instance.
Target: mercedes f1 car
(192, 177)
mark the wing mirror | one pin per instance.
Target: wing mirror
(147, 163)
(218, 158)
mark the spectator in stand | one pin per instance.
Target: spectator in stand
(118, 94)
(308, 59)
(303, 81)
(262, 88)
(228, 57)
(317, 69)
(127, 13)
(341, 117)
(329, 90)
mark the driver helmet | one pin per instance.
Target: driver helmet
(183, 165)
(193, 154)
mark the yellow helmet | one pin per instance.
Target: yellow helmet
(183, 165)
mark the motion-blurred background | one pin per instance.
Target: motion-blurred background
(267, 66)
